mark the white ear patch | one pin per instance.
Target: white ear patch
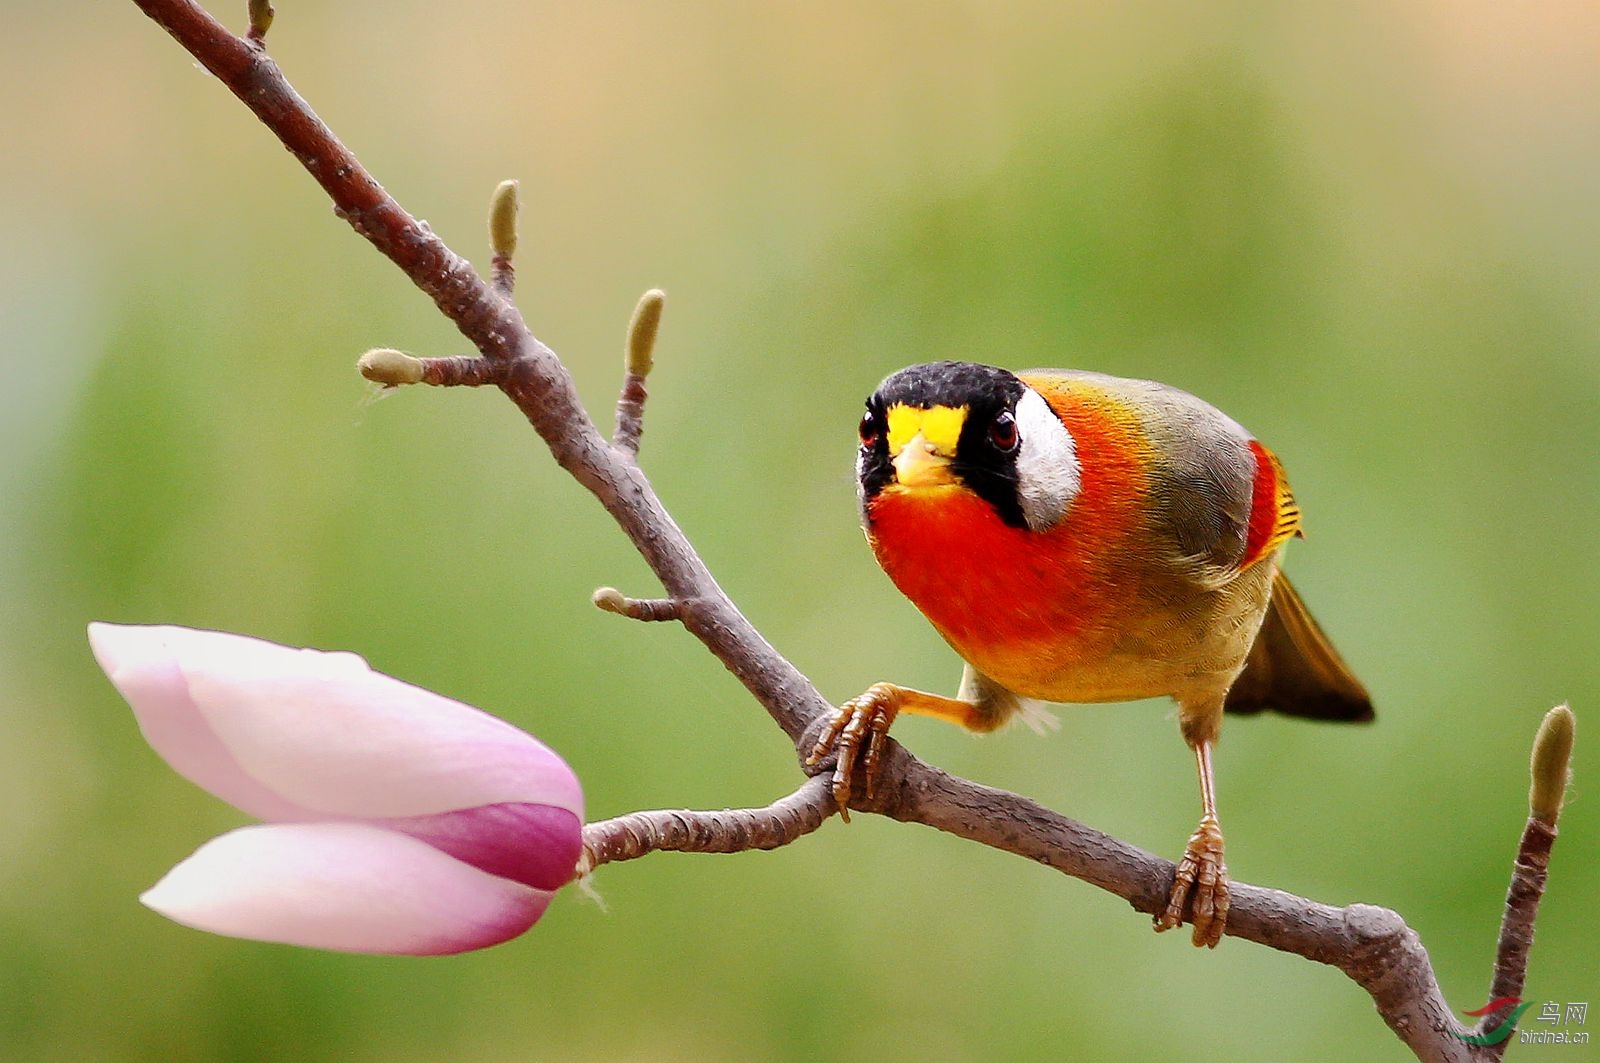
(1048, 473)
(861, 485)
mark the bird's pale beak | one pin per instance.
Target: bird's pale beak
(919, 464)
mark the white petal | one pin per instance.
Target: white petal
(324, 732)
(343, 886)
(360, 743)
(142, 663)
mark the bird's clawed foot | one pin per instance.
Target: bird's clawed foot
(1201, 873)
(859, 727)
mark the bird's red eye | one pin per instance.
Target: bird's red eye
(1003, 432)
(868, 429)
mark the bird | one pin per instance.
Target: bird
(1078, 538)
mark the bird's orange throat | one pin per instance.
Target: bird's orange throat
(998, 594)
(949, 553)
(1008, 599)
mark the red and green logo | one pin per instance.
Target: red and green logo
(1502, 1031)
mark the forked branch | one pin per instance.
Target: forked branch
(1372, 945)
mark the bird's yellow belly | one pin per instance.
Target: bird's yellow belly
(1161, 637)
(1049, 622)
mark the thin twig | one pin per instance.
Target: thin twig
(1550, 767)
(630, 414)
(392, 368)
(1372, 945)
(1516, 926)
(732, 830)
(503, 207)
(462, 371)
(612, 600)
(637, 363)
(260, 13)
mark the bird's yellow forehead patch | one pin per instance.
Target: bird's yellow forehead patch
(939, 425)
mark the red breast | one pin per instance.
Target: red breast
(1002, 594)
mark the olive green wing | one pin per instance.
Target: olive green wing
(1294, 669)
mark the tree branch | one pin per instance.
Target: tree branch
(732, 830)
(536, 381)
(1372, 945)
(1550, 768)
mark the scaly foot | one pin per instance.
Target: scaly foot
(865, 717)
(1202, 873)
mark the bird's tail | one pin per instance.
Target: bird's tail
(1294, 669)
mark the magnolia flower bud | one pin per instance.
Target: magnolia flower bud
(398, 821)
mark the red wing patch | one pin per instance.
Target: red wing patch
(1274, 514)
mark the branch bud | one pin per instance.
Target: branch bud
(1552, 757)
(503, 220)
(260, 19)
(611, 600)
(642, 331)
(389, 367)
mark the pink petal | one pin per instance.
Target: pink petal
(324, 732)
(344, 886)
(533, 844)
(139, 661)
(352, 742)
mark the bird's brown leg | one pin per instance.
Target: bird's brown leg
(867, 718)
(1201, 872)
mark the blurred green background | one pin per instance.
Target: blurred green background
(1366, 230)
